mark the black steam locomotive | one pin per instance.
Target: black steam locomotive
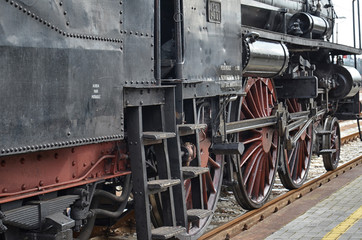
(113, 105)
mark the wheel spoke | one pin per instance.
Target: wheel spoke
(250, 165)
(250, 151)
(247, 110)
(210, 183)
(213, 163)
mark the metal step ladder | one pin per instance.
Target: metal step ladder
(161, 133)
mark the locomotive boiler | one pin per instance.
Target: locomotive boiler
(121, 105)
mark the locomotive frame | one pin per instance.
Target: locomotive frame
(105, 110)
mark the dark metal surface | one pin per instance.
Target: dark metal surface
(63, 67)
(212, 48)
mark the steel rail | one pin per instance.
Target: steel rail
(251, 218)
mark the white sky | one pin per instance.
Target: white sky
(343, 9)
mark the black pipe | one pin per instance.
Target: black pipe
(354, 32)
(158, 41)
(125, 194)
(178, 18)
(359, 24)
(94, 212)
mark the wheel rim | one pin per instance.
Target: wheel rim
(297, 160)
(333, 142)
(258, 162)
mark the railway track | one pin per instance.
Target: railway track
(251, 218)
(125, 229)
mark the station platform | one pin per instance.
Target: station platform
(333, 211)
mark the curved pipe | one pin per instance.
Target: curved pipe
(123, 198)
(94, 212)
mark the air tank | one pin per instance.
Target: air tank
(308, 23)
(348, 82)
(262, 58)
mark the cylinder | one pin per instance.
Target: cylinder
(348, 82)
(263, 58)
(308, 23)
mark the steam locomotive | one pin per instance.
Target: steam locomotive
(113, 105)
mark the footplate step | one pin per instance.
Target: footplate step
(167, 232)
(191, 172)
(197, 214)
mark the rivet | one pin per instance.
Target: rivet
(22, 160)
(23, 187)
(65, 12)
(61, 3)
(3, 163)
(56, 155)
(57, 179)
(67, 23)
(41, 183)
(16, 5)
(120, 12)
(5, 190)
(84, 164)
(73, 175)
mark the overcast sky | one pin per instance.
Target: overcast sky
(344, 25)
